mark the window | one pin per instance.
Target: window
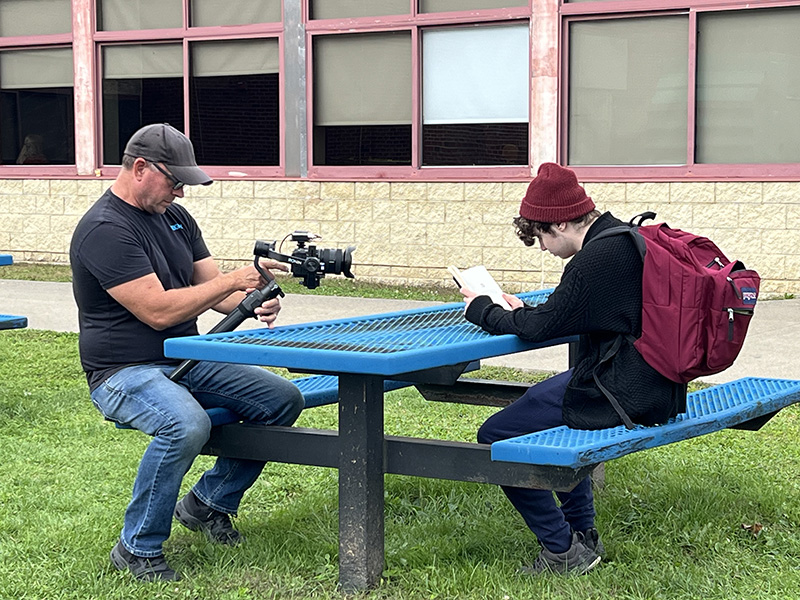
(37, 112)
(212, 71)
(628, 85)
(706, 91)
(142, 84)
(362, 99)
(748, 87)
(475, 96)
(36, 107)
(234, 97)
(409, 92)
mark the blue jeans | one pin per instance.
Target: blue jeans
(538, 409)
(143, 397)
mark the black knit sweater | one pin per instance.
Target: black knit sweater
(599, 298)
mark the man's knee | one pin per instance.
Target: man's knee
(190, 430)
(292, 406)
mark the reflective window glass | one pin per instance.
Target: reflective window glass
(142, 84)
(628, 83)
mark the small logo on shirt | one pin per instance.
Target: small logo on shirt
(176, 227)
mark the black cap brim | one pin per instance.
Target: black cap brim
(190, 175)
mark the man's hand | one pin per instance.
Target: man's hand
(250, 279)
(268, 312)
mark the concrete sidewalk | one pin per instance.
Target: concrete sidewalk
(769, 351)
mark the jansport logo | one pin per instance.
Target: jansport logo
(749, 295)
(176, 227)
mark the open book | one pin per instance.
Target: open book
(479, 281)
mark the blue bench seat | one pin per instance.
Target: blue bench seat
(13, 322)
(6, 259)
(318, 390)
(708, 410)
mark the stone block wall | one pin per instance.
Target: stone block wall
(408, 232)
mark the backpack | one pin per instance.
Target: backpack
(696, 304)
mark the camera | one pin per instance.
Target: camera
(308, 261)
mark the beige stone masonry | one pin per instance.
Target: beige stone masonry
(408, 232)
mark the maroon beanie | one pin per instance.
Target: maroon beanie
(554, 196)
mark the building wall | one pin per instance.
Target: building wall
(408, 232)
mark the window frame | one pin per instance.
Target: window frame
(689, 170)
(414, 22)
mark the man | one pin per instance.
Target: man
(599, 298)
(142, 274)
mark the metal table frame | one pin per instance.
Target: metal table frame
(360, 449)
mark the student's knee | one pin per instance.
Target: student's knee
(488, 433)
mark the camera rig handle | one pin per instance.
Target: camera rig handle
(245, 309)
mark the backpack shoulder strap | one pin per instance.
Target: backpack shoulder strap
(632, 231)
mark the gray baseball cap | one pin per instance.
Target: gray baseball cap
(162, 143)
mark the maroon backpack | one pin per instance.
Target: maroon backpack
(696, 304)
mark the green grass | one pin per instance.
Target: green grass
(329, 286)
(671, 518)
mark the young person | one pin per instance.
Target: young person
(141, 274)
(598, 298)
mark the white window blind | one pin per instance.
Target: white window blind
(123, 15)
(362, 79)
(35, 17)
(28, 69)
(476, 75)
(234, 12)
(245, 57)
(342, 9)
(143, 61)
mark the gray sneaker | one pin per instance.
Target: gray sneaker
(591, 539)
(217, 526)
(578, 560)
(143, 569)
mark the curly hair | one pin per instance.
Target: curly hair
(528, 231)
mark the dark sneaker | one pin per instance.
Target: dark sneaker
(143, 569)
(578, 560)
(217, 526)
(591, 539)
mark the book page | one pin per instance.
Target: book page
(481, 282)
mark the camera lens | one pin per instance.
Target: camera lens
(337, 261)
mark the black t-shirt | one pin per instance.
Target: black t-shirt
(114, 243)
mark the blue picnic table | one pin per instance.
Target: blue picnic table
(426, 346)
(430, 348)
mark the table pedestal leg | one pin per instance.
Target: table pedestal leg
(360, 481)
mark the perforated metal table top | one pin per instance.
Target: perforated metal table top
(384, 344)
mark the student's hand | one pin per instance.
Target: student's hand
(513, 301)
(469, 295)
(268, 312)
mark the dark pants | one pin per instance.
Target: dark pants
(538, 409)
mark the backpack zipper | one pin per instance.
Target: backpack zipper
(736, 311)
(735, 289)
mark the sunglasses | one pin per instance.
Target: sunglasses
(176, 183)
